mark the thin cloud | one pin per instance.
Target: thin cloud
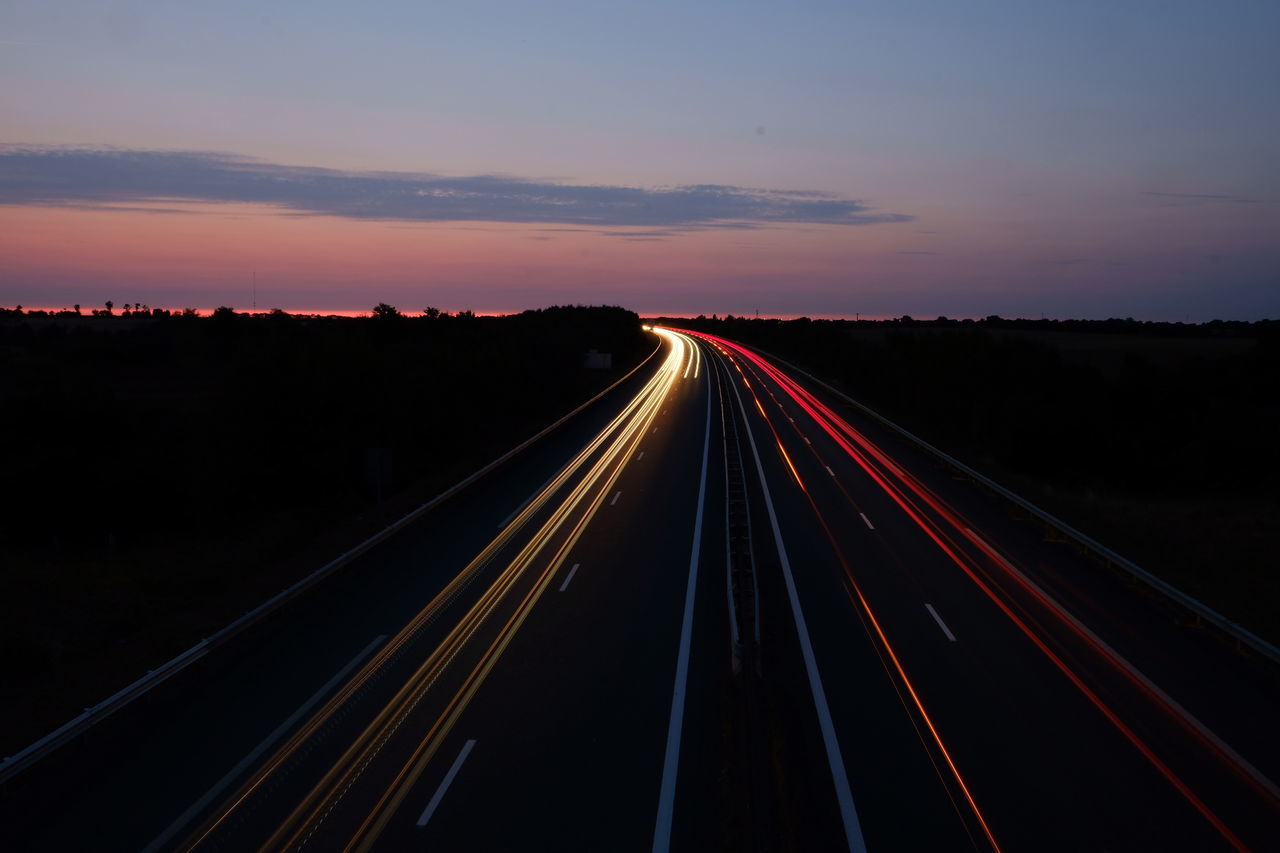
(1203, 198)
(109, 176)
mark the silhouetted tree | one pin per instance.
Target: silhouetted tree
(383, 311)
(431, 313)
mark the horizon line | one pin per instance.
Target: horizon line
(358, 313)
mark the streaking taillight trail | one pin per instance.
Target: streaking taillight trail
(952, 536)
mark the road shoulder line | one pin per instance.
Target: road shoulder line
(671, 760)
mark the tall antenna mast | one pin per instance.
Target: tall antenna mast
(255, 291)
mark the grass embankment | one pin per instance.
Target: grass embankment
(165, 475)
(1158, 440)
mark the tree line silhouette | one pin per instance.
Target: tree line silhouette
(186, 426)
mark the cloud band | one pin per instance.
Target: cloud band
(110, 176)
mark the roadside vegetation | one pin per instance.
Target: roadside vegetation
(1160, 440)
(165, 472)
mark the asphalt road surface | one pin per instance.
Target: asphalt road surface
(717, 610)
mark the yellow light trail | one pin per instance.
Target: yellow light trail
(622, 449)
(618, 440)
(443, 598)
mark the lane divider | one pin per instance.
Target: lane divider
(446, 782)
(569, 577)
(941, 624)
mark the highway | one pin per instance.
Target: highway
(718, 610)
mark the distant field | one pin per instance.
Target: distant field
(1107, 352)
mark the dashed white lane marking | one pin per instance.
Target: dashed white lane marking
(569, 577)
(941, 624)
(867, 521)
(447, 781)
(641, 456)
(616, 495)
(829, 471)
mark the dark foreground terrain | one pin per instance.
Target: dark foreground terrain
(164, 474)
(1157, 439)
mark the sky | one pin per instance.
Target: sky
(960, 158)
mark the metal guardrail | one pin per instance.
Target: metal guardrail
(15, 764)
(1202, 611)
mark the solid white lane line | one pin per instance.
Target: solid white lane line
(245, 763)
(839, 776)
(941, 624)
(568, 578)
(867, 521)
(829, 471)
(640, 456)
(616, 495)
(446, 782)
(671, 761)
